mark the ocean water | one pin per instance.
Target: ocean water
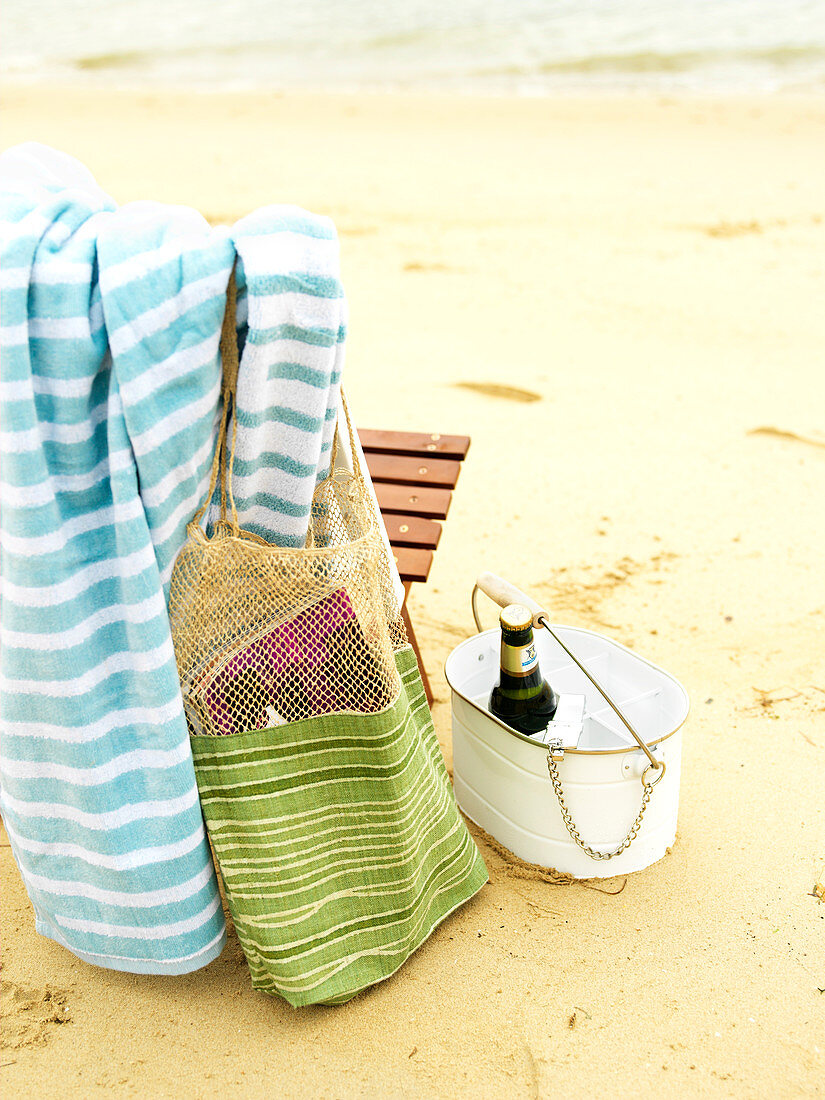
(529, 47)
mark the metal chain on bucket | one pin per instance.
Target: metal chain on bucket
(555, 751)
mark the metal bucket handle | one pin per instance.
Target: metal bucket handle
(503, 593)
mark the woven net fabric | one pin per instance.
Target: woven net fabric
(265, 635)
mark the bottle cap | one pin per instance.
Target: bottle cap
(516, 616)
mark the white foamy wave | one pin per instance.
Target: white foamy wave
(522, 46)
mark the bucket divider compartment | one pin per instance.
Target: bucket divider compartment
(603, 726)
(651, 700)
(601, 734)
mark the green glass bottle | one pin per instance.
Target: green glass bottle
(522, 697)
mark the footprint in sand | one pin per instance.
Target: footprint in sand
(586, 597)
(493, 389)
(30, 1016)
(414, 265)
(780, 433)
(732, 229)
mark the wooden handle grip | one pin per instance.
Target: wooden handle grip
(504, 593)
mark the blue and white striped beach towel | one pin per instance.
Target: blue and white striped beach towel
(110, 320)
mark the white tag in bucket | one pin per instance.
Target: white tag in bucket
(567, 723)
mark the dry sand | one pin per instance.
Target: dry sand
(652, 270)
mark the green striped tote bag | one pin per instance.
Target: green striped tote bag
(338, 841)
(322, 783)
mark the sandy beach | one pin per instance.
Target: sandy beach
(620, 299)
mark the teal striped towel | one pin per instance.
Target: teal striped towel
(110, 320)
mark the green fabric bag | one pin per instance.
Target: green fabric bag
(339, 843)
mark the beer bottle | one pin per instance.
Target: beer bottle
(522, 697)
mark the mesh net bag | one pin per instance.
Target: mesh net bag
(265, 634)
(322, 784)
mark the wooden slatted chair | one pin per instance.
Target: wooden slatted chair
(414, 475)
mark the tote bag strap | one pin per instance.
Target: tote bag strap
(229, 364)
(353, 445)
(223, 463)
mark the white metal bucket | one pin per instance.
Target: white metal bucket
(501, 777)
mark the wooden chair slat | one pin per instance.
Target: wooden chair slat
(412, 500)
(413, 563)
(411, 530)
(414, 443)
(403, 470)
(413, 475)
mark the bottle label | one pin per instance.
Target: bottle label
(519, 660)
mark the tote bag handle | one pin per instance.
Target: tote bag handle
(223, 465)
